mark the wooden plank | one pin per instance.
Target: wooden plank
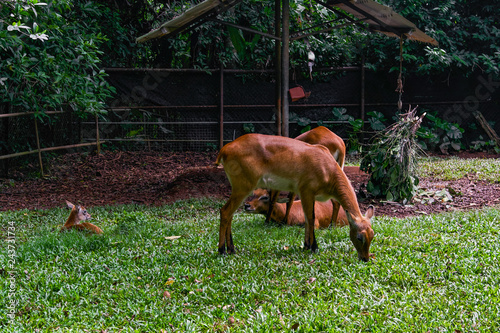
(19, 114)
(3, 157)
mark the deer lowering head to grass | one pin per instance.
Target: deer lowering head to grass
(77, 215)
(322, 136)
(279, 163)
(323, 211)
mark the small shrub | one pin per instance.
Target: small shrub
(391, 162)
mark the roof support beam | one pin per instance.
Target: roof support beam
(257, 32)
(285, 67)
(277, 51)
(296, 37)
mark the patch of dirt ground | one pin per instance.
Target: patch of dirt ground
(115, 178)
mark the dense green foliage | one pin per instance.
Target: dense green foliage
(431, 273)
(53, 55)
(354, 144)
(440, 133)
(50, 57)
(466, 30)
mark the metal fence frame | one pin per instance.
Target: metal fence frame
(97, 139)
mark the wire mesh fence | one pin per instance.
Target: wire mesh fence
(193, 110)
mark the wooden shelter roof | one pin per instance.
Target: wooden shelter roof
(190, 19)
(382, 19)
(378, 17)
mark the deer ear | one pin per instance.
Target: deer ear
(370, 212)
(69, 204)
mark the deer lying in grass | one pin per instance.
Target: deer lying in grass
(264, 161)
(323, 211)
(323, 136)
(78, 214)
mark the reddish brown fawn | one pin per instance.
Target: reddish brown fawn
(78, 214)
(323, 211)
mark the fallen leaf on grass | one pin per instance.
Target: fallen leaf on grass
(172, 237)
(166, 294)
(311, 280)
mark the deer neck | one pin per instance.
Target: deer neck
(72, 219)
(345, 195)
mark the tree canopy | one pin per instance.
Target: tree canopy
(53, 52)
(50, 56)
(467, 31)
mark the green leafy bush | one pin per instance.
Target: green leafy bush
(440, 134)
(354, 145)
(391, 162)
(50, 58)
(484, 145)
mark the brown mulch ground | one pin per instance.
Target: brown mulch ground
(161, 178)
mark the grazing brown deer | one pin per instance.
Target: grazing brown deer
(265, 161)
(322, 136)
(78, 214)
(323, 211)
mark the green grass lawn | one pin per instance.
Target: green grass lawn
(453, 168)
(437, 273)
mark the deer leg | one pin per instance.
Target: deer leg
(273, 197)
(335, 212)
(226, 218)
(291, 198)
(308, 207)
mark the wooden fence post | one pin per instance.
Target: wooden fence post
(97, 134)
(38, 147)
(221, 116)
